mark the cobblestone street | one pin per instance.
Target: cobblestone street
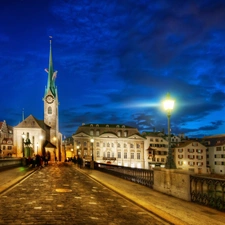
(61, 194)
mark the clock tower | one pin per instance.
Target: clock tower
(51, 103)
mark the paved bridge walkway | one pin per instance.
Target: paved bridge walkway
(83, 198)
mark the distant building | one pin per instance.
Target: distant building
(156, 149)
(190, 155)
(33, 136)
(6, 140)
(113, 143)
(68, 148)
(215, 153)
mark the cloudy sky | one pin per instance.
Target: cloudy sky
(116, 61)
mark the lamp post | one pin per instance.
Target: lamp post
(37, 148)
(55, 155)
(168, 106)
(23, 137)
(92, 157)
(78, 149)
(92, 143)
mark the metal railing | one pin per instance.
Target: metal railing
(208, 191)
(204, 190)
(140, 176)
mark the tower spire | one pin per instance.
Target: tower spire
(51, 73)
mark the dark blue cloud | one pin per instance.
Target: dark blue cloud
(116, 61)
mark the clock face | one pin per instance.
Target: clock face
(49, 99)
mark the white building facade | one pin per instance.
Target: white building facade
(215, 153)
(112, 143)
(191, 156)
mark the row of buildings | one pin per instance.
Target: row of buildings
(125, 146)
(107, 143)
(116, 144)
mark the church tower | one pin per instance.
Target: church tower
(51, 103)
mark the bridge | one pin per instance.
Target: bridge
(62, 193)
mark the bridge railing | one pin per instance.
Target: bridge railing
(208, 191)
(140, 176)
(9, 163)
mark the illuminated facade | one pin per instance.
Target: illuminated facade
(191, 156)
(113, 144)
(6, 140)
(215, 153)
(33, 136)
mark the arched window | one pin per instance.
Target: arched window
(49, 110)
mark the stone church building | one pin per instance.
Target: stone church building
(33, 136)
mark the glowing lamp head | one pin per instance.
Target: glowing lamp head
(92, 140)
(23, 136)
(168, 103)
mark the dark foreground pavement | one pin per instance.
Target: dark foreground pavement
(61, 194)
(64, 194)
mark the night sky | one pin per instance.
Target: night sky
(116, 61)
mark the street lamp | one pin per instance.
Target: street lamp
(37, 148)
(78, 149)
(92, 143)
(168, 106)
(23, 137)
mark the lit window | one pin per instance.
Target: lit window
(138, 155)
(132, 155)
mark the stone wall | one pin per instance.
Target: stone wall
(172, 182)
